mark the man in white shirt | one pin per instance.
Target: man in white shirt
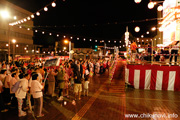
(21, 92)
(36, 91)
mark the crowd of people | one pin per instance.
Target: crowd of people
(159, 54)
(24, 84)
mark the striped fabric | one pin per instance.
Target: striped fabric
(153, 77)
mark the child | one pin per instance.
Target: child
(86, 83)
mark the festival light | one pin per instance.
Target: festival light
(77, 38)
(53, 4)
(38, 13)
(147, 32)
(14, 17)
(42, 32)
(57, 35)
(160, 8)
(137, 1)
(142, 36)
(137, 29)
(153, 28)
(28, 18)
(50, 33)
(45, 9)
(150, 5)
(36, 30)
(32, 16)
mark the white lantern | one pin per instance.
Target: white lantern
(53, 4)
(153, 28)
(137, 29)
(160, 8)
(32, 16)
(38, 13)
(137, 1)
(151, 5)
(45, 9)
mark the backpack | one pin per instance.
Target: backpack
(15, 87)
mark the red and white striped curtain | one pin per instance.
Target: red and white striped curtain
(153, 77)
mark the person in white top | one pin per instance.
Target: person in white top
(21, 92)
(36, 91)
(174, 50)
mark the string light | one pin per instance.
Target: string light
(28, 29)
(7, 45)
(28, 18)
(25, 20)
(114, 41)
(109, 41)
(84, 39)
(53, 4)
(17, 45)
(160, 8)
(32, 16)
(102, 40)
(50, 33)
(95, 40)
(147, 32)
(36, 31)
(119, 41)
(137, 29)
(77, 38)
(71, 37)
(14, 17)
(57, 35)
(64, 36)
(20, 27)
(42, 32)
(137, 1)
(38, 13)
(45, 9)
(90, 39)
(142, 36)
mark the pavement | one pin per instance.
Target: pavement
(108, 102)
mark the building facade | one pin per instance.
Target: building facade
(22, 33)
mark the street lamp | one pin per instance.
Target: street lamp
(6, 15)
(13, 41)
(70, 54)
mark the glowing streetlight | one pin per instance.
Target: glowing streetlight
(5, 14)
(13, 41)
(66, 41)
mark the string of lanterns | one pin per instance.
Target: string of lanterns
(32, 16)
(151, 4)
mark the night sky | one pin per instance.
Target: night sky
(96, 19)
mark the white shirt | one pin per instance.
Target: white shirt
(23, 86)
(36, 89)
(86, 84)
(12, 82)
